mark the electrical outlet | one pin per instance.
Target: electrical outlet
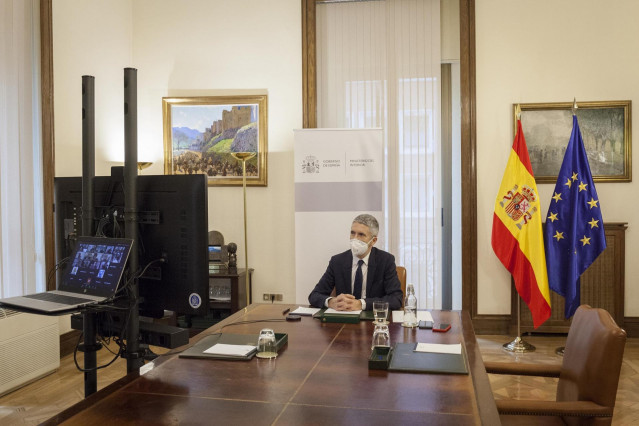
(270, 297)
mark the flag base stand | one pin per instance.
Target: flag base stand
(519, 346)
(560, 350)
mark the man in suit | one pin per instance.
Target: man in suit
(361, 275)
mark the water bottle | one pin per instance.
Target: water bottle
(410, 307)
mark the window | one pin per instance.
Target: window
(378, 65)
(22, 260)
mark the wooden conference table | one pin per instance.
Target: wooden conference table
(320, 377)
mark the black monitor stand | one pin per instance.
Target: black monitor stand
(90, 345)
(133, 355)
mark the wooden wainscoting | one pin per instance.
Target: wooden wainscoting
(602, 286)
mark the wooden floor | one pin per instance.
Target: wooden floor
(48, 396)
(42, 399)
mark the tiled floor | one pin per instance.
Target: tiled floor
(540, 388)
(42, 399)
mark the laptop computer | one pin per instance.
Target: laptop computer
(92, 275)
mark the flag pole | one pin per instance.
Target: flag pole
(509, 230)
(518, 345)
(560, 350)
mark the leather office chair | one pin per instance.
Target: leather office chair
(588, 376)
(401, 274)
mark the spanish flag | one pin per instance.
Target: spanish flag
(517, 237)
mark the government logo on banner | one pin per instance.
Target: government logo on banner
(310, 164)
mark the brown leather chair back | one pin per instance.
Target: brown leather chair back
(592, 360)
(401, 274)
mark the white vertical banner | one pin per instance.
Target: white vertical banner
(338, 175)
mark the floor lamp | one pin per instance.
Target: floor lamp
(143, 165)
(243, 156)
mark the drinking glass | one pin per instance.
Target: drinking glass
(266, 344)
(380, 309)
(381, 336)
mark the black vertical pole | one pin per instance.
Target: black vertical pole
(88, 153)
(90, 346)
(133, 355)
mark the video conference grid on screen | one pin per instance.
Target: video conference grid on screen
(97, 266)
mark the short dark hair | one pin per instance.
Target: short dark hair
(370, 221)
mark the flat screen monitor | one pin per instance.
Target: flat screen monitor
(172, 224)
(215, 253)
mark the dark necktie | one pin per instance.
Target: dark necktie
(357, 288)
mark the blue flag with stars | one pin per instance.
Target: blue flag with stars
(574, 234)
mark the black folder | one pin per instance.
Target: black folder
(406, 359)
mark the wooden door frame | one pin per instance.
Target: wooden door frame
(48, 146)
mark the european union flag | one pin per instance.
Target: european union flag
(574, 234)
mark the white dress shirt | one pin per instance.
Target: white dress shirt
(364, 275)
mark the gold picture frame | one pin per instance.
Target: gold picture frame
(200, 133)
(605, 128)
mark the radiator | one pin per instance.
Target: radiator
(29, 348)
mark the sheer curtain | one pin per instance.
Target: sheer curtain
(22, 267)
(378, 65)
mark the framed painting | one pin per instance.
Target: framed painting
(605, 129)
(205, 134)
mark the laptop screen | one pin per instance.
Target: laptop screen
(96, 266)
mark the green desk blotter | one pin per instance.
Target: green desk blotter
(406, 359)
(197, 350)
(344, 318)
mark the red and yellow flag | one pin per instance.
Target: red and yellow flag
(517, 237)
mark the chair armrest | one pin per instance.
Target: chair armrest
(518, 369)
(553, 408)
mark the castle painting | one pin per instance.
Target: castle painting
(200, 135)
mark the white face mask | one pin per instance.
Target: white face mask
(359, 247)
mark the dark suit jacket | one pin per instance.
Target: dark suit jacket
(381, 280)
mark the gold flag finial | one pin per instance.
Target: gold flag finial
(518, 111)
(574, 106)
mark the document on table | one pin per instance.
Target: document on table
(333, 311)
(230, 350)
(439, 348)
(305, 311)
(398, 316)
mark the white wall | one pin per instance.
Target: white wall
(90, 38)
(527, 51)
(549, 51)
(189, 48)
